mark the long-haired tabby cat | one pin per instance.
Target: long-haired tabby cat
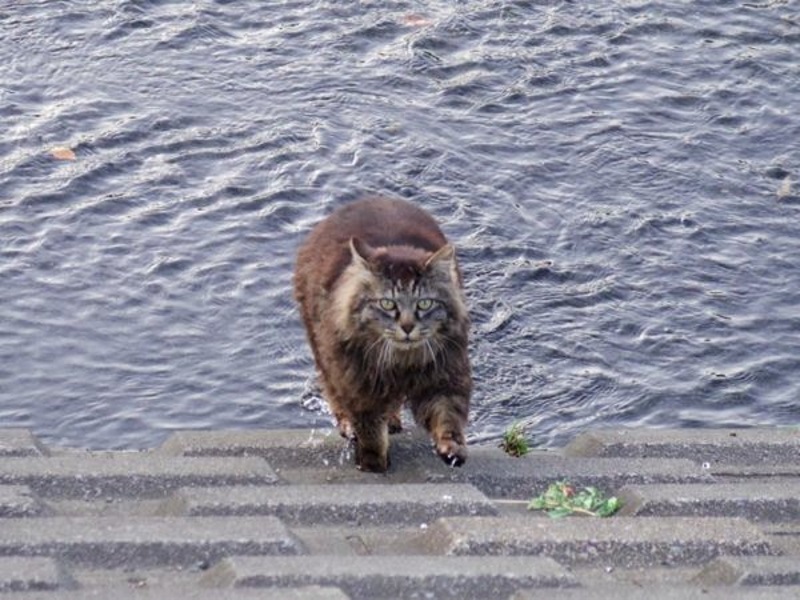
(381, 298)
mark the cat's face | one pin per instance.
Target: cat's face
(403, 299)
(406, 316)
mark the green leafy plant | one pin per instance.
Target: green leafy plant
(514, 442)
(562, 499)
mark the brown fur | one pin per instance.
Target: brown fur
(372, 361)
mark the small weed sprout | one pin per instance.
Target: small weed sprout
(514, 442)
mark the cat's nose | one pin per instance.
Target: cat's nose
(407, 327)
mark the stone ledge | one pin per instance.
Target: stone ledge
(92, 475)
(712, 446)
(672, 592)
(523, 478)
(158, 523)
(18, 501)
(19, 442)
(22, 574)
(335, 504)
(286, 447)
(109, 542)
(752, 570)
(175, 592)
(761, 501)
(626, 542)
(396, 576)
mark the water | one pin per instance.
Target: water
(621, 180)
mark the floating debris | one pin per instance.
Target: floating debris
(63, 153)
(785, 190)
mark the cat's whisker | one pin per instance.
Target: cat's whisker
(382, 354)
(450, 340)
(372, 347)
(429, 348)
(386, 355)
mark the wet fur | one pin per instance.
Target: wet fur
(368, 250)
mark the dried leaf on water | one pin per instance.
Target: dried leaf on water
(786, 188)
(63, 153)
(415, 20)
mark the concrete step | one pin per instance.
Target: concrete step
(19, 442)
(621, 542)
(664, 592)
(179, 592)
(366, 504)
(303, 458)
(18, 501)
(111, 542)
(752, 570)
(24, 574)
(767, 446)
(284, 448)
(113, 474)
(522, 478)
(772, 501)
(396, 576)
(285, 514)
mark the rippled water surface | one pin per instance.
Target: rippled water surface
(620, 178)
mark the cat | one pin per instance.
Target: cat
(381, 297)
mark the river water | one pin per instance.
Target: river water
(621, 180)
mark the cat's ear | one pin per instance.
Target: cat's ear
(360, 251)
(444, 261)
(442, 257)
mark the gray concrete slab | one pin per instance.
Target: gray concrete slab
(22, 574)
(349, 540)
(592, 576)
(498, 475)
(100, 474)
(713, 446)
(303, 449)
(752, 570)
(396, 576)
(176, 582)
(785, 537)
(365, 504)
(19, 442)
(348, 474)
(113, 542)
(18, 501)
(736, 472)
(133, 592)
(620, 541)
(758, 501)
(666, 592)
(284, 446)
(102, 518)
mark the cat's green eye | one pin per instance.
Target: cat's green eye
(387, 304)
(424, 304)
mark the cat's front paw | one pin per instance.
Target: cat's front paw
(369, 460)
(395, 423)
(346, 429)
(452, 450)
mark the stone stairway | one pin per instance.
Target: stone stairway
(284, 514)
